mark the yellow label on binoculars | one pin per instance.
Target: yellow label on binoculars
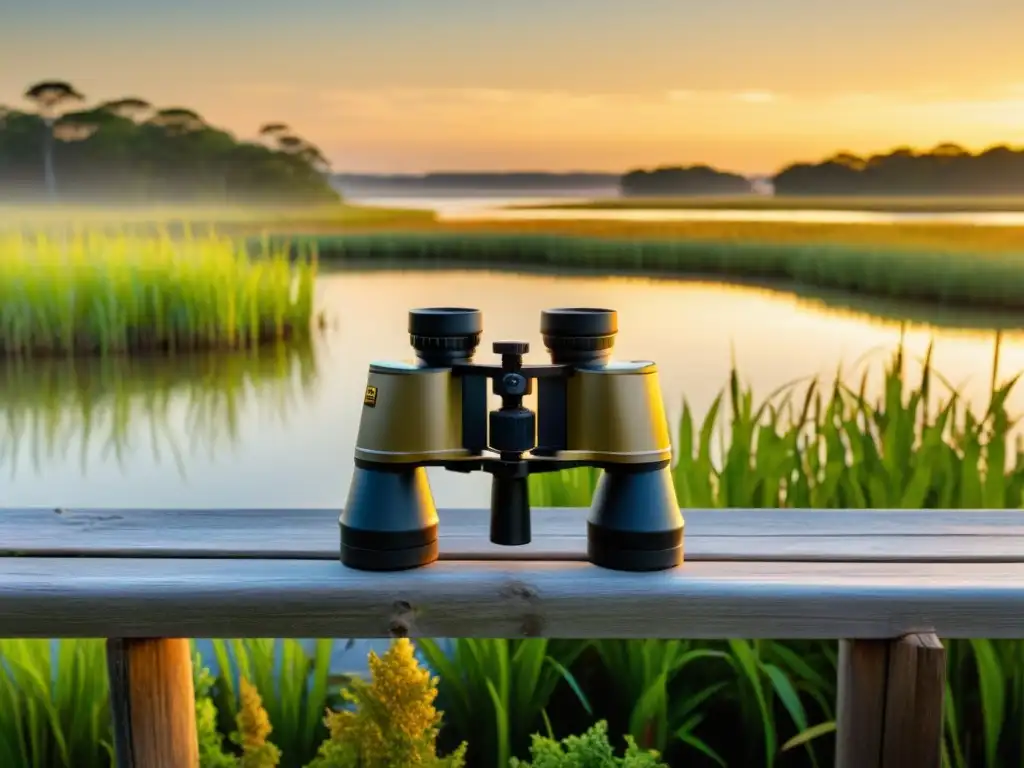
(370, 398)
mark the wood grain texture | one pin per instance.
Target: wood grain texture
(96, 597)
(860, 705)
(153, 703)
(890, 703)
(559, 534)
(120, 707)
(914, 703)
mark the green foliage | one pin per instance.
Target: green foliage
(494, 692)
(54, 704)
(830, 447)
(654, 681)
(939, 273)
(211, 741)
(591, 750)
(99, 294)
(295, 688)
(130, 150)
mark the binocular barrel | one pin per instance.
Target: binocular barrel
(591, 411)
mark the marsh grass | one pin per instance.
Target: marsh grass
(54, 710)
(91, 293)
(935, 274)
(110, 408)
(495, 693)
(918, 236)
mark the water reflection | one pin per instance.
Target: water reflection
(98, 412)
(869, 309)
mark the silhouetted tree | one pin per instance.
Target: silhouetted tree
(274, 129)
(49, 97)
(130, 106)
(947, 169)
(125, 150)
(681, 181)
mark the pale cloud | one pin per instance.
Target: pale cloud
(680, 95)
(755, 97)
(748, 97)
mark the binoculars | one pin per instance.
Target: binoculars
(591, 411)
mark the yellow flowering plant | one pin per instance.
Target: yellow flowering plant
(253, 730)
(392, 720)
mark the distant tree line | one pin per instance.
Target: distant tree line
(474, 183)
(128, 150)
(948, 169)
(678, 180)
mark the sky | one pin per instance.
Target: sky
(407, 86)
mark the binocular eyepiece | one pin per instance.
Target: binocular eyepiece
(434, 412)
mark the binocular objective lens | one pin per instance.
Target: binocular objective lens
(444, 335)
(579, 334)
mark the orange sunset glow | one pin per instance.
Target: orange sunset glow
(388, 86)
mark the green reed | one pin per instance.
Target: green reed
(54, 710)
(495, 693)
(89, 292)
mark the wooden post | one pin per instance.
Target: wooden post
(152, 702)
(890, 708)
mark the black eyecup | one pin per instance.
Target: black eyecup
(445, 321)
(579, 321)
(445, 335)
(579, 334)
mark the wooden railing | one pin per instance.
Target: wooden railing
(886, 583)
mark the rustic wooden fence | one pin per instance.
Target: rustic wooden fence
(887, 584)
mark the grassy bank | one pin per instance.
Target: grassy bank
(868, 204)
(92, 293)
(951, 238)
(737, 702)
(983, 280)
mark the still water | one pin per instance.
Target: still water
(277, 429)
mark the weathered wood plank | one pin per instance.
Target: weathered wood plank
(860, 705)
(153, 703)
(559, 534)
(86, 597)
(914, 703)
(890, 702)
